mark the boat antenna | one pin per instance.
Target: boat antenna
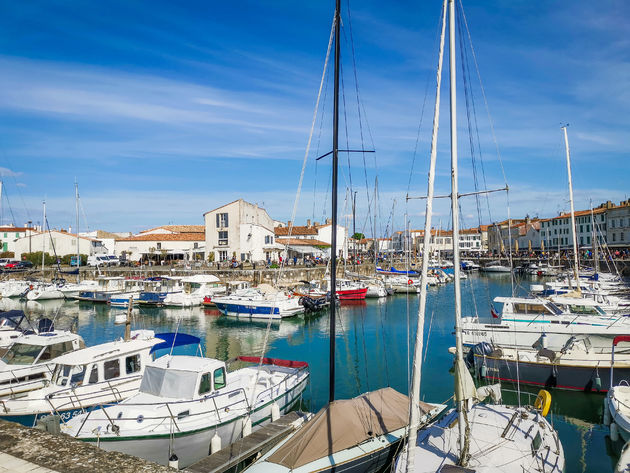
(333, 242)
(414, 396)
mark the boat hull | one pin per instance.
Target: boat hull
(549, 375)
(192, 446)
(352, 294)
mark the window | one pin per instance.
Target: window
(58, 349)
(223, 256)
(223, 238)
(219, 378)
(17, 235)
(612, 224)
(94, 375)
(614, 236)
(132, 364)
(588, 240)
(581, 229)
(581, 241)
(205, 385)
(621, 237)
(243, 256)
(268, 239)
(222, 220)
(111, 369)
(195, 245)
(159, 246)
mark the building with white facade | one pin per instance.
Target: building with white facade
(557, 233)
(9, 235)
(165, 243)
(618, 228)
(57, 242)
(240, 230)
(318, 238)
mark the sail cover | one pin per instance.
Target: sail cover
(344, 424)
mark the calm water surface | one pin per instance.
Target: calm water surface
(373, 343)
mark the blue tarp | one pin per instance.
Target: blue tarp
(172, 339)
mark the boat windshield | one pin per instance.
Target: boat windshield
(63, 373)
(586, 310)
(170, 383)
(22, 354)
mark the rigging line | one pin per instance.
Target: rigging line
(345, 124)
(356, 85)
(424, 102)
(6, 195)
(483, 92)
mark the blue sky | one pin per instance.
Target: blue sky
(164, 110)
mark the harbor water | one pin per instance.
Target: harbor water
(373, 345)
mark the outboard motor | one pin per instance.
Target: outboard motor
(483, 348)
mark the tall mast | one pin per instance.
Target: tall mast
(375, 210)
(575, 247)
(43, 236)
(414, 395)
(76, 195)
(594, 242)
(459, 395)
(333, 242)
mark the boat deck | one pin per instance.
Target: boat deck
(259, 441)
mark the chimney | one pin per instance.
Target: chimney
(289, 224)
(317, 224)
(328, 221)
(308, 223)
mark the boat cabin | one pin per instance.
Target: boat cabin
(106, 362)
(41, 348)
(183, 377)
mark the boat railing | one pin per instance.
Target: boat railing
(171, 406)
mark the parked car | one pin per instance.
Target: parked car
(13, 264)
(103, 260)
(4, 261)
(24, 265)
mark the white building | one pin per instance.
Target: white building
(165, 243)
(618, 229)
(57, 242)
(240, 230)
(556, 232)
(320, 234)
(9, 235)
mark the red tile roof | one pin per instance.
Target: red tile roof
(301, 242)
(196, 236)
(179, 228)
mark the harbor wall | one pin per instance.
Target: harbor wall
(286, 276)
(64, 454)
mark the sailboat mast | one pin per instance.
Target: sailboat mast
(43, 236)
(76, 195)
(455, 222)
(594, 242)
(376, 248)
(414, 395)
(333, 240)
(575, 247)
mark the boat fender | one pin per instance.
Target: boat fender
(410, 282)
(215, 444)
(173, 461)
(598, 383)
(543, 402)
(275, 412)
(247, 426)
(483, 371)
(607, 418)
(614, 432)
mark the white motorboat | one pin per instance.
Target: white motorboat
(105, 373)
(195, 289)
(187, 403)
(495, 267)
(617, 401)
(44, 292)
(376, 288)
(29, 362)
(523, 321)
(15, 288)
(72, 290)
(263, 302)
(13, 324)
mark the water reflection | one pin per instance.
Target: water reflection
(374, 338)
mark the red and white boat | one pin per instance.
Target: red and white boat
(348, 290)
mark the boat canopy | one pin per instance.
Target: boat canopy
(174, 339)
(344, 424)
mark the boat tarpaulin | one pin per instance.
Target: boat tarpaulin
(273, 361)
(344, 424)
(172, 339)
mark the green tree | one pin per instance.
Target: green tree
(358, 236)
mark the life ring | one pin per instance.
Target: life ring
(543, 402)
(31, 287)
(410, 282)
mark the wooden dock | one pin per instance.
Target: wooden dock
(259, 441)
